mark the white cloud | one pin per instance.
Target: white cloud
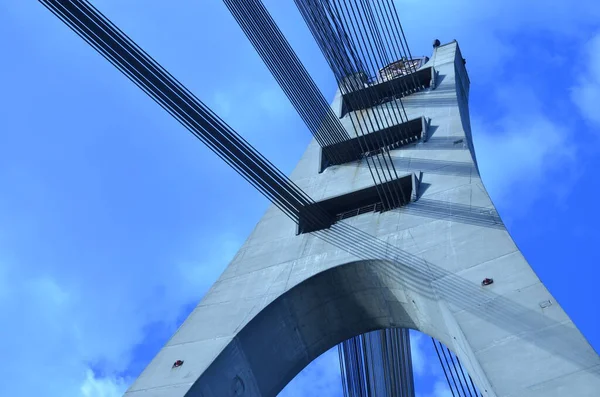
(523, 150)
(516, 159)
(222, 105)
(321, 378)
(69, 339)
(245, 102)
(106, 387)
(483, 26)
(428, 374)
(273, 101)
(586, 93)
(440, 389)
(417, 353)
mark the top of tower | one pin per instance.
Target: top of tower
(401, 67)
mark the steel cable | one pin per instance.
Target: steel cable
(233, 149)
(211, 130)
(443, 367)
(286, 68)
(332, 39)
(192, 114)
(460, 382)
(270, 43)
(377, 121)
(334, 27)
(331, 32)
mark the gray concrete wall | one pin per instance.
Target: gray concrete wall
(286, 299)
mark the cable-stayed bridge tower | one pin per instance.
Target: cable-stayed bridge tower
(288, 297)
(384, 223)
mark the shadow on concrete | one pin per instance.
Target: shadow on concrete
(361, 296)
(426, 101)
(440, 167)
(440, 143)
(431, 129)
(422, 188)
(442, 210)
(439, 79)
(418, 274)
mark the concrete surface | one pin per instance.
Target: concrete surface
(285, 299)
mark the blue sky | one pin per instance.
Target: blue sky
(114, 220)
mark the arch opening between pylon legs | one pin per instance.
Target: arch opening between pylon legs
(380, 364)
(315, 316)
(358, 297)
